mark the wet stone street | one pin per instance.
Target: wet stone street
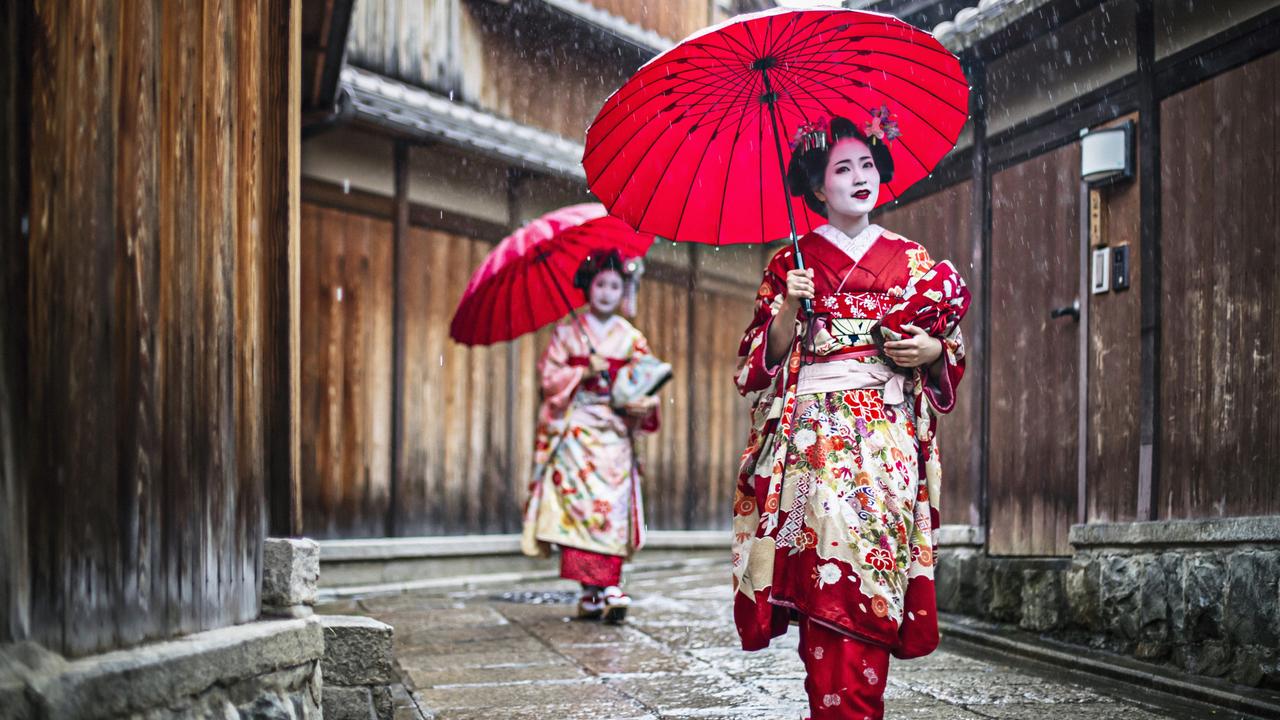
(512, 654)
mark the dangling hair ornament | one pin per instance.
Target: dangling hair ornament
(882, 126)
(811, 135)
(635, 269)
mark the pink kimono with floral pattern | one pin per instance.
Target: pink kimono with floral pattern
(836, 505)
(585, 489)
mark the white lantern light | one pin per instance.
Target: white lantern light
(1106, 155)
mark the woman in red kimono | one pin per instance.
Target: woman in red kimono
(835, 511)
(585, 493)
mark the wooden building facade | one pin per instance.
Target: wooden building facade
(1069, 421)
(1153, 402)
(404, 432)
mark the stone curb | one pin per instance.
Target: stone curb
(1128, 670)
(373, 549)
(1217, 531)
(473, 582)
(152, 676)
(954, 536)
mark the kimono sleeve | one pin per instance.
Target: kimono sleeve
(754, 371)
(558, 378)
(941, 393)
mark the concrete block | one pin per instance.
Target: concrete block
(1006, 593)
(1197, 615)
(290, 572)
(1042, 600)
(357, 651)
(348, 703)
(1080, 586)
(1251, 600)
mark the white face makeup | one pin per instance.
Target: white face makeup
(605, 293)
(852, 182)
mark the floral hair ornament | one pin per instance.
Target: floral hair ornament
(811, 135)
(883, 125)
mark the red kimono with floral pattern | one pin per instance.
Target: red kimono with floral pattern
(836, 505)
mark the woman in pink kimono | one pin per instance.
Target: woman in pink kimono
(585, 493)
(835, 510)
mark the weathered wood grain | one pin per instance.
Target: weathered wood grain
(150, 339)
(1034, 268)
(1220, 369)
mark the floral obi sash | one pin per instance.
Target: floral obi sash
(840, 351)
(842, 326)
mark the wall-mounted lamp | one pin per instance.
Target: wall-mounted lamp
(1106, 155)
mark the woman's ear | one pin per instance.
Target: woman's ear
(822, 197)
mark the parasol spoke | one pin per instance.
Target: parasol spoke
(742, 91)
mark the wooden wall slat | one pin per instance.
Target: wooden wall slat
(346, 369)
(1220, 372)
(721, 414)
(1034, 268)
(662, 308)
(942, 222)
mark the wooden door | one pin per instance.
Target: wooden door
(1034, 358)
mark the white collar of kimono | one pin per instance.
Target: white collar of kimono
(855, 247)
(600, 328)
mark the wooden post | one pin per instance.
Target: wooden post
(510, 514)
(1082, 411)
(282, 165)
(399, 235)
(691, 409)
(981, 260)
(16, 29)
(1149, 239)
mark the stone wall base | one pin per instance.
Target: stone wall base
(1204, 599)
(268, 670)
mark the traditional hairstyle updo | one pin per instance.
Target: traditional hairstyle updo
(808, 168)
(595, 264)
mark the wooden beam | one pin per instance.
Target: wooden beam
(363, 202)
(515, 178)
(281, 202)
(980, 247)
(16, 30)
(1082, 376)
(1061, 126)
(1028, 28)
(1149, 240)
(1225, 51)
(691, 484)
(956, 167)
(399, 237)
(326, 90)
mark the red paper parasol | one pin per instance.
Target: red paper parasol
(694, 146)
(521, 286)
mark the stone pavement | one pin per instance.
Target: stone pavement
(513, 655)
